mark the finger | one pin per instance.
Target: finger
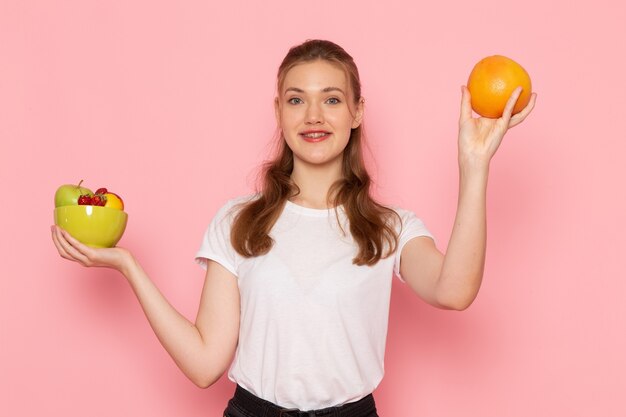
(466, 105)
(64, 245)
(86, 252)
(519, 117)
(58, 245)
(78, 245)
(64, 239)
(508, 108)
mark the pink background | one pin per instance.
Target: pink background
(170, 105)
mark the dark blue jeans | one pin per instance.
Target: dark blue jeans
(246, 404)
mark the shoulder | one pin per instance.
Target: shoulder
(399, 210)
(232, 205)
(408, 223)
(400, 214)
(227, 212)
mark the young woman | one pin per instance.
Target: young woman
(298, 275)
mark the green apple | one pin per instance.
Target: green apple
(67, 195)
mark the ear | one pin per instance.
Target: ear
(277, 110)
(358, 117)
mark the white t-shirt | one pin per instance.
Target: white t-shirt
(313, 325)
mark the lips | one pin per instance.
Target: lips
(315, 135)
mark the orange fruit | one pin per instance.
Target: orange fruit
(114, 201)
(491, 83)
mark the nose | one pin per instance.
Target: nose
(314, 114)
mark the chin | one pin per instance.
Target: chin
(318, 159)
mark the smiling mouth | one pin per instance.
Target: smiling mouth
(315, 136)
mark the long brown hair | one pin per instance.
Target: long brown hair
(371, 224)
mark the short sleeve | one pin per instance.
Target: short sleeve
(216, 244)
(411, 227)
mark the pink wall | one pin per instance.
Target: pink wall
(170, 106)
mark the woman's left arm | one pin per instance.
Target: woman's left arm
(452, 281)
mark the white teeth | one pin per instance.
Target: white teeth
(315, 135)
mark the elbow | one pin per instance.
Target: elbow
(204, 373)
(456, 306)
(204, 384)
(460, 306)
(456, 303)
(204, 381)
(458, 296)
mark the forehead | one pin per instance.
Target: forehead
(315, 75)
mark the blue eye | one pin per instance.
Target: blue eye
(294, 100)
(333, 100)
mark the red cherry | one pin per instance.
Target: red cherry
(101, 191)
(95, 200)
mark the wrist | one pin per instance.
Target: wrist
(478, 170)
(128, 264)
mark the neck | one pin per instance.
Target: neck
(314, 181)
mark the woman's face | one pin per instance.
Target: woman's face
(316, 112)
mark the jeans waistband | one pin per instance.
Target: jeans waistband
(262, 408)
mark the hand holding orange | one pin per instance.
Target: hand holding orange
(491, 83)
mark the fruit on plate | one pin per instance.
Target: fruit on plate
(491, 83)
(68, 194)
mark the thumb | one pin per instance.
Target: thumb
(466, 105)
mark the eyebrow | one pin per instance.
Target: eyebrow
(324, 90)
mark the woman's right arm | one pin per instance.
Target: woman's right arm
(203, 350)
